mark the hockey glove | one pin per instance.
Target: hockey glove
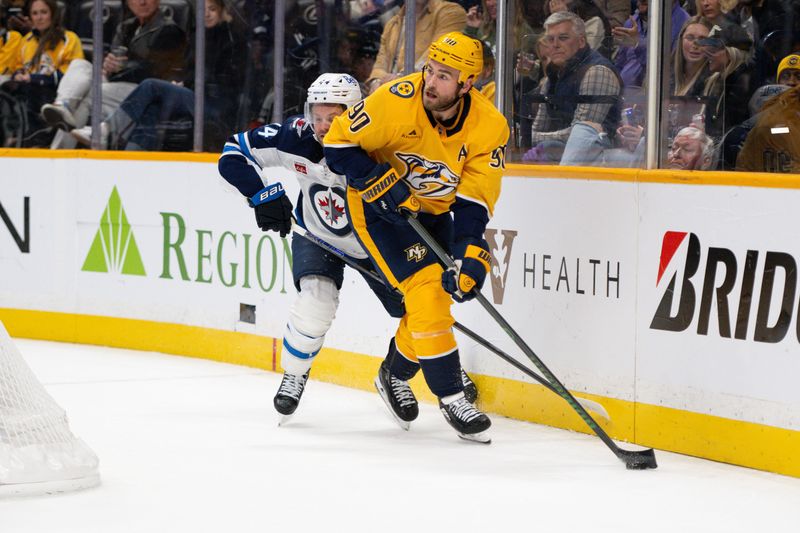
(389, 195)
(472, 264)
(273, 209)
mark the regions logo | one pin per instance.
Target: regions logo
(114, 247)
(500, 243)
(432, 179)
(403, 89)
(329, 206)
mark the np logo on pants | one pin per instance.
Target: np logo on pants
(416, 253)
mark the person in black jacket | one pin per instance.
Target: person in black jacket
(147, 45)
(139, 122)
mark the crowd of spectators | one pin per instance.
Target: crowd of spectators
(580, 76)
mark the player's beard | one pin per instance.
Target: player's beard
(440, 104)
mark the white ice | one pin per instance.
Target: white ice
(187, 445)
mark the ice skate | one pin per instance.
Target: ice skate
(288, 395)
(397, 396)
(470, 390)
(469, 423)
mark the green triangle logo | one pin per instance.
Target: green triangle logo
(114, 246)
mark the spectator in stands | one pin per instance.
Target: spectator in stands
(356, 52)
(138, 124)
(691, 149)
(789, 71)
(44, 56)
(631, 58)
(710, 66)
(485, 82)
(773, 144)
(10, 43)
(616, 11)
(598, 28)
(482, 23)
(581, 97)
(147, 45)
(434, 19)
(530, 73)
(18, 20)
(736, 136)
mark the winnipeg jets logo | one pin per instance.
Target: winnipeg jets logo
(428, 178)
(329, 205)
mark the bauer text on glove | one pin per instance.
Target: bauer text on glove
(273, 209)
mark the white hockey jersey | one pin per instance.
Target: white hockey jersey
(292, 146)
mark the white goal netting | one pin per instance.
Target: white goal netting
(38, 452)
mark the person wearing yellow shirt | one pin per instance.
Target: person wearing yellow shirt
(43, 57)
(431, 144)
(10, 42)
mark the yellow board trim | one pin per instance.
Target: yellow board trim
(34, 153)
(683, 177)
(699, 177)
(742, 443)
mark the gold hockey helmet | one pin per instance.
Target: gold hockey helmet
(460, 52)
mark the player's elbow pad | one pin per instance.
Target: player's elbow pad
(238, 173)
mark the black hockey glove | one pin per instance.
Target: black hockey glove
(275, 215)
(389, 195)
(472, 260)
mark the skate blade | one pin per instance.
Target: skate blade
(482, 438)
(404, 425)
(284, 419)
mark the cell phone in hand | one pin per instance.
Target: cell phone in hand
(712, 42)
(14, 12)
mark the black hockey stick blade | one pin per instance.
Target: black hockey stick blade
(638, 460)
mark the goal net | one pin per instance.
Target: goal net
(38, 452)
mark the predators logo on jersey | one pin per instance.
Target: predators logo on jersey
(403, 89)
(432, 179)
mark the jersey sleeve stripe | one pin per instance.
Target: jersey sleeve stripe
(244, 145)
(342, 145)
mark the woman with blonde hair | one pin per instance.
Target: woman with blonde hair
(703, 65)
(44, 55)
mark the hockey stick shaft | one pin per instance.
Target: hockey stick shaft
(632, 459)
(325, 245)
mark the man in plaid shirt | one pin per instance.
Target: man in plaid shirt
(580, 99)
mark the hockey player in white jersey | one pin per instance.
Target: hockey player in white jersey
(296, 145)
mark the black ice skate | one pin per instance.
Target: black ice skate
(470, 390)
(289, 394)
(397, 396)
(469, 423)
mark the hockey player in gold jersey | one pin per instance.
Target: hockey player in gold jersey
(432, 145)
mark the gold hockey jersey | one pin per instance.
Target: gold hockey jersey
(438, 163)
(773, 145)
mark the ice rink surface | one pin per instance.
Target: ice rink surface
(187, 445)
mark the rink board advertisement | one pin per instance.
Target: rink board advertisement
(718, 310)
(673, 305)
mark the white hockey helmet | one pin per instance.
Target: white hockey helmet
(332, 88)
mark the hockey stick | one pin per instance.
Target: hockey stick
(634, 460)
(325, 245)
